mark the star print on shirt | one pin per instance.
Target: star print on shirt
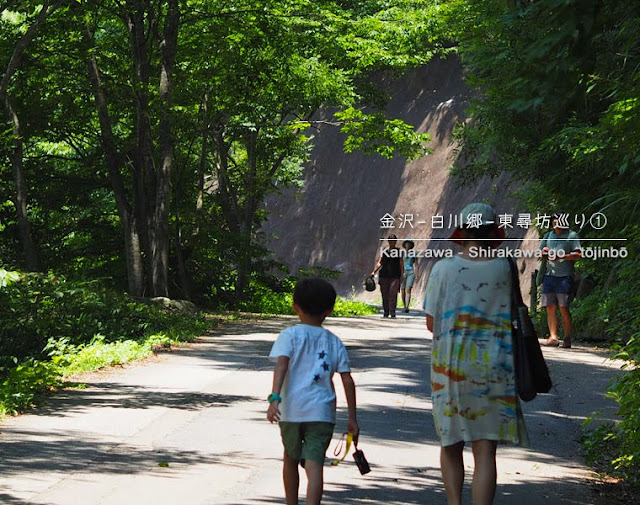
(321, 355)
(316, 378)
(325, 366)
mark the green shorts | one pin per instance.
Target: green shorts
(306, 440)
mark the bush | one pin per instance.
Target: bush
(52, 328)
(38, 308)
(23, 384)
(618, 309)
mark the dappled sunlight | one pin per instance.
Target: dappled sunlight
(201, 409)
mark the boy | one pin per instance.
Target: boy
(303, 399)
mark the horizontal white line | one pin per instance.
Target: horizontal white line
(503, 239)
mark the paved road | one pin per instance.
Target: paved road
(189, 427)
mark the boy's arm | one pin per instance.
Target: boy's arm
(350, 393)
(279, 373)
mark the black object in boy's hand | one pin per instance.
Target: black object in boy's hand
(361, 461)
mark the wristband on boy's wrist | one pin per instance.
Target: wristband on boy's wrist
(274, 397)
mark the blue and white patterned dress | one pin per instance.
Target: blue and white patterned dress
(472, 376)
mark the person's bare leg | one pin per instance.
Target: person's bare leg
(552, 321)
(315, 486)
(291, 479)
(404, 297)
(452, 466)
(566, 324)
(408, 298)
(483, 489)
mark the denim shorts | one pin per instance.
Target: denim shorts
(408, 280)
(556, 290)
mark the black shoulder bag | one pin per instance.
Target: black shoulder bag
(532, 374)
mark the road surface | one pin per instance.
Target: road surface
(189, 427)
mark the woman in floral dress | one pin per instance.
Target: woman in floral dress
(467, 301)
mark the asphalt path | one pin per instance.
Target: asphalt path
(189, 427)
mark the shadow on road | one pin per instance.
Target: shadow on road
(396, 416)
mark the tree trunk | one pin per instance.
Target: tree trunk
(202, 168)
(135, 271)
(248, 215)
(185, 285)
(144, 169)
(227, 194)
(24, 227)
(26, 237)
(160, 229)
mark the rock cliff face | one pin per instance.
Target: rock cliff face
(334, 221)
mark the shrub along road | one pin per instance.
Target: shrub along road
(189, 426)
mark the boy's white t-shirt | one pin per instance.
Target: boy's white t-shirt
(315, 354)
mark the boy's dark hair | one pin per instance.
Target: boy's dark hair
(314, 296)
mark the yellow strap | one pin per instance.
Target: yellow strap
(349, 440)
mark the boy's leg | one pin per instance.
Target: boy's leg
(317, 437)
(315, 486)
(452, 467)
(291, 479)
(406, 305)
(483, 489)
(404, 297)
(291, 434)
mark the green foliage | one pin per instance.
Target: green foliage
(23, 384)
(348, 307)
(559, 100)
(248, 80)
(7, 277)
(98, 353)
(41, 308)
(277, 298)
(373, 133)
(616, 447)
(619, 444)
(52, 328)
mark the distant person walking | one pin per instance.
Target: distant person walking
(391, 270)
(561, 248)
(409, 275)
(473, 389)
(303, 399)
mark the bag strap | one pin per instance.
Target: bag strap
(516, 294)
(339, 448)
(545, 239)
